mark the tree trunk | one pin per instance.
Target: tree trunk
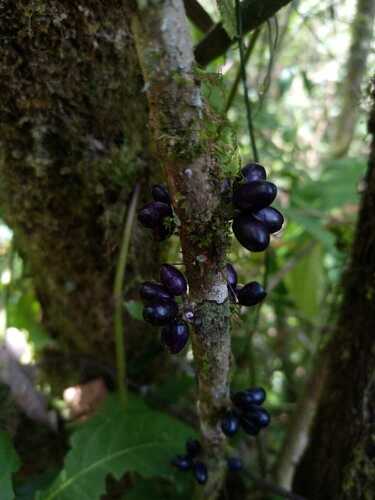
(338, 463)
(362, 29)
(74, 141)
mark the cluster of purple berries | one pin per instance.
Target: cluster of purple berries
(247, 412)
(255, 220)
(158, 214)
(190, 461)
(249, 295)
(161, 308)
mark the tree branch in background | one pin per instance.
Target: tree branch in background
(198, 16)
(178, 118)
(297, 435)
(265, 485)
(217, 41)
(362, 28)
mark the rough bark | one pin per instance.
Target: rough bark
(178, 116)
(73, 142)
(339, 462)
(217, 41)
(361, 39)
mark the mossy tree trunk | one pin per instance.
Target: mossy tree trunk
(74, 141)
(339, 462)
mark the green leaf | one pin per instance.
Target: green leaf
(305, 282)
(114, 442)
(135, 309)
(9, 463)
(228, 16)
(312, 225)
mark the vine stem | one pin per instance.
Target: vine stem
(244, 82)
(118, 293)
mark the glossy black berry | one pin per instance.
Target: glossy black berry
(246, 400)
(193, 447)
(234, 464)
(175, 336)
(152, 214)
(200, 472)
(253, 172)
(271, 218)
(231, 275)
(256, 395)
(259, 416)
(229, 424)
(173, 279)
(251, 294)
(249, 425)
(161, 312)
(182, 462)
(254, 196)
(154, 292)
(251, 233)
(160, 193)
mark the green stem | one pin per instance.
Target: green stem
(233, 90)
(118, 297)
(244, 82)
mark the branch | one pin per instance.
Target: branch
(263, 484)
(198, 16)
(217, 41)
(179, 122)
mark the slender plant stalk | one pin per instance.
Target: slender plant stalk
(118, 292)
(244, 82)
(249, 51)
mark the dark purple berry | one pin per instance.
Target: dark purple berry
(200, 472)
(193, 447)
(254, 196)
(229, 424)
(253, 172)
(175, 336)
(182, 462)
(247, 400)
(160, 193)
(152, 214)
(251, 233)
(154, 292)
(249, 426)
(259, 416)
(234, 464)
(161, 312)
(173, 279)
(271, 218)
(257, 395)
(164, 230)
(231, 275)
(251, 294)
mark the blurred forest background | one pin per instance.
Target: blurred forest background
(309, 72)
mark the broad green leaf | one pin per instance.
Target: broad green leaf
(9, 463)
(305, 282)
(228, 16)
(312, 225)
(114, 442)
(135, 309)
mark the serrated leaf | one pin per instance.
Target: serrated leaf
(114, 442)
(228, 16)
(9, 463)
(135, 309)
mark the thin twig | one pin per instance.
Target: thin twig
(117, 293)
(249, 51)
(244, 82)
